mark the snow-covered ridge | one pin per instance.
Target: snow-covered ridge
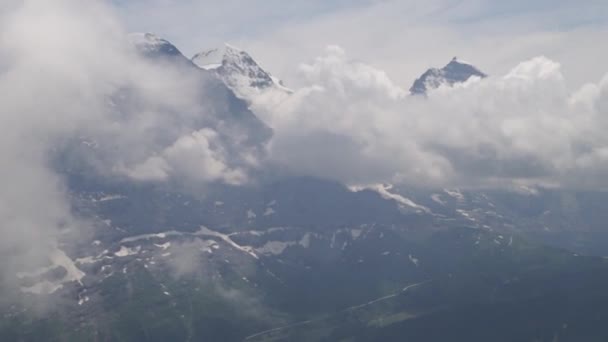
(240, 72)
(384, 191)
(214, 58)
(231, 65)
(150, 44)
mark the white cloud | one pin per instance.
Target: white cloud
(404, 38)
(69, 73)
(50, 76)
(192, 158)
(353, 124)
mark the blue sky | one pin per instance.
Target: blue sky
(185, 21)
(402, 37)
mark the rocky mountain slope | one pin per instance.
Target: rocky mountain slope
(292, 258)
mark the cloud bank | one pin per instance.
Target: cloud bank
(353, 124)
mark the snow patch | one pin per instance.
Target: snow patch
(305, 241)
(467, 215)
(126, 251)
(455, 193)
(164, 246)
(356, 233)
(83, 300)
(151, 236)
(384, 191)
(246, 249)
(437, 198)
(269, 211)
(414, 260)
(110, 198)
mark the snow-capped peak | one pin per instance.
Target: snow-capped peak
(150, 44)
(235, 65)
(214, 58)
(145, 39)
(239, 71)
(456, 71)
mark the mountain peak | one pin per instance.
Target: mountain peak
(456, 71)
(152, 45)
(214, 58)
(238, 70)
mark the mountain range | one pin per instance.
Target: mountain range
(295, 258)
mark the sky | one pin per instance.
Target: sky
(402, 37)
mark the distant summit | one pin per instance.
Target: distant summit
(153, 46)
(239, 71)
(456, 71)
